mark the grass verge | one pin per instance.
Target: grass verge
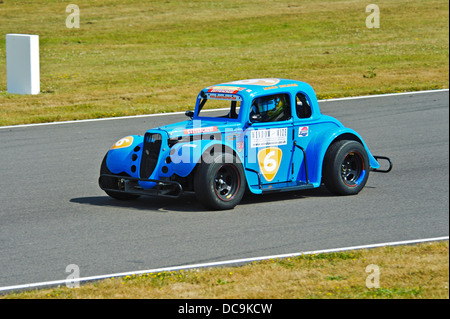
(405, 272)
(134, 57)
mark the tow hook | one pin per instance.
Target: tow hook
(122, 184)
(383, 170)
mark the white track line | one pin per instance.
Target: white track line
(382, 95)
(214, 264)
(177, 113)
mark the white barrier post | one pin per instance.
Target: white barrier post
(22, 64)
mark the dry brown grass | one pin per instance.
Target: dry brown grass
(415, 271)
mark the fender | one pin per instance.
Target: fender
(119, 158)
(322, 142)
(185, 156)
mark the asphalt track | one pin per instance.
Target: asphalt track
(52, 212)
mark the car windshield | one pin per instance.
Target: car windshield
(219, 106)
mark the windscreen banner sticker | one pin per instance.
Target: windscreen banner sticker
(223, 96)
(122, 143)
(270, 137)
(303, 131)
(225, 89)
(269, 160)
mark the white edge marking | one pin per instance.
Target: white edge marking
(213, 264)
(178, 113)
(382, 95)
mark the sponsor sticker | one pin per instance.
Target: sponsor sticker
(240, 146)
(270, 137)
(240, 143)
(303, 131)
(198, 130)
(281, 86)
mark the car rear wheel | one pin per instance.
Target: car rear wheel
(220, 184)
(346, 167)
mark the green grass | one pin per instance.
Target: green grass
(134, 57)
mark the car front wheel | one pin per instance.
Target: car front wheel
(220, 184)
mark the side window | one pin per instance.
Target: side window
(302, 105)
(271, 108)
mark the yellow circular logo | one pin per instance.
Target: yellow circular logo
(122, 143)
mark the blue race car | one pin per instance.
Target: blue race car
(259, 135)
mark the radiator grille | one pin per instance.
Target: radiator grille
(150, 154)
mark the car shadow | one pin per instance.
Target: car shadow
(185, 203)
(285, 196)
(188, 202)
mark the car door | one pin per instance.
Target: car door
(269, 140)
(303, 131)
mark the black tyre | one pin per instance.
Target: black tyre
(109, 183)
(346, 167)
(220, 184)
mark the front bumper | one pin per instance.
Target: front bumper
(130, 185)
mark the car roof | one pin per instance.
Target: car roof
(257, 87)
